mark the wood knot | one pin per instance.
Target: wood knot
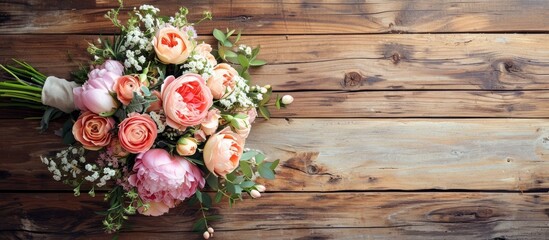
(462, 214)
(312, 169)
(352, 79)
(244, 18)
(395, 58)
(510, 66)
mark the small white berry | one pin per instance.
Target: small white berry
(287, 99)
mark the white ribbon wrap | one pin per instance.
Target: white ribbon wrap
(57, 92)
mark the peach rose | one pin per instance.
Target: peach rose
(186, 146)
(125, 87)
(93, 131)
(242, 126)
(186, 100)
(155, 209)
(205, 50)
(156, 105)
(137, 133)
(211, 122)
(222, 82)
(171, 45)
(222, 152)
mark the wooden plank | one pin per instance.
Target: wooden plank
(351, 154)
(291, 16)
(428, 215)
(349, 62)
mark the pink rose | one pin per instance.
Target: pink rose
(125, 87)
(171, 45)
(222, 152)
(205, 50)
(211, 122)
(93, 131)
(137, 133)
(164, 180)
(222, 82)
(156, 105)
(252, 113)
(95, 94)
(185, 100)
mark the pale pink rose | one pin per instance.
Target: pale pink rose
(186, 146)
(223, 80)
(155, 209)
(93, 131)
(125, 87)
(205, 50)
(252, 113)
(164, 180)
(95, 94)
(156, 105)
(116, 149)
(211, 122)
(200, 136)
(137, 133)
(222, 152)
(186, 100)
(171, 45)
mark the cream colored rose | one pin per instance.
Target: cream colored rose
(172, 45)
(205, 50)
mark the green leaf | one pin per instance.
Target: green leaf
(255, 51)
(227, 43)
(218, 197)
(244, 62)
(259, 158)
(274, 164)
(198, 195)
(230, 54)
(247, 184)
(212, 181)
(238, 37)
(248, 155)
(246, 169)
(257, 62)
(277, 102)
(230, 33)
(266, 172)
(264, 112)
(246, 75)
(145, 91)
(233, 189)
(231, 177)
(219, 35)
(199, 225)
(266, 97)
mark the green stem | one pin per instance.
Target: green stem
(26, 73)
(29, 67)
(21, 92)
(14, 75)
(19, 86)
(33, 99)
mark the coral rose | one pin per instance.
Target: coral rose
(93, 131)
(186, 100)
(137, 133)
(163, 180)
(125, 87)
(222, 152)
(205, 50)
(171, 45)
(222, 82)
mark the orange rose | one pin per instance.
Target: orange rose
(222, 82)
(125, 86)
(171, 45)
(93, 131)
(137, 133)
(222, 152)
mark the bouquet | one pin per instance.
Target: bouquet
(157, 119)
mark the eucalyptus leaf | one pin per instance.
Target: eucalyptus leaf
(257, 62)
(247, 184)
(274, 164)
(244, 62)
(218, 197)
(259, 158)
(248, 155)
(246, 169)
(266, 172)
(212, 181)
(227, 43)
(264, 112)
(219, 35)
(230, 54)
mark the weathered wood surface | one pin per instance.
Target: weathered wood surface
(331, 155)
(350, 62)
(291, 16)
(426, 215)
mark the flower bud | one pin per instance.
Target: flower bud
(287, 99)
(186, 146)
(206, 235)
(210, 230)
(260, 188)
(255, 194)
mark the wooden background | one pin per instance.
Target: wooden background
(411, 120)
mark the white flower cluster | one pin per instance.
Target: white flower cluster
(157, 119)
(200, 65)
(239, 96)
(245, 49)
(136, 46)
(149, 19)
(96, 172)
(149, 8)
(65, 163)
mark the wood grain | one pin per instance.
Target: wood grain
(349, 62)
(290, 16)
(427, 215)
(351, 154)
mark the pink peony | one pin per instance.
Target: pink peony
(95, 94)
(137, 133)
(93, 131)
(222, 152)
(164, 180)
(186, 100)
